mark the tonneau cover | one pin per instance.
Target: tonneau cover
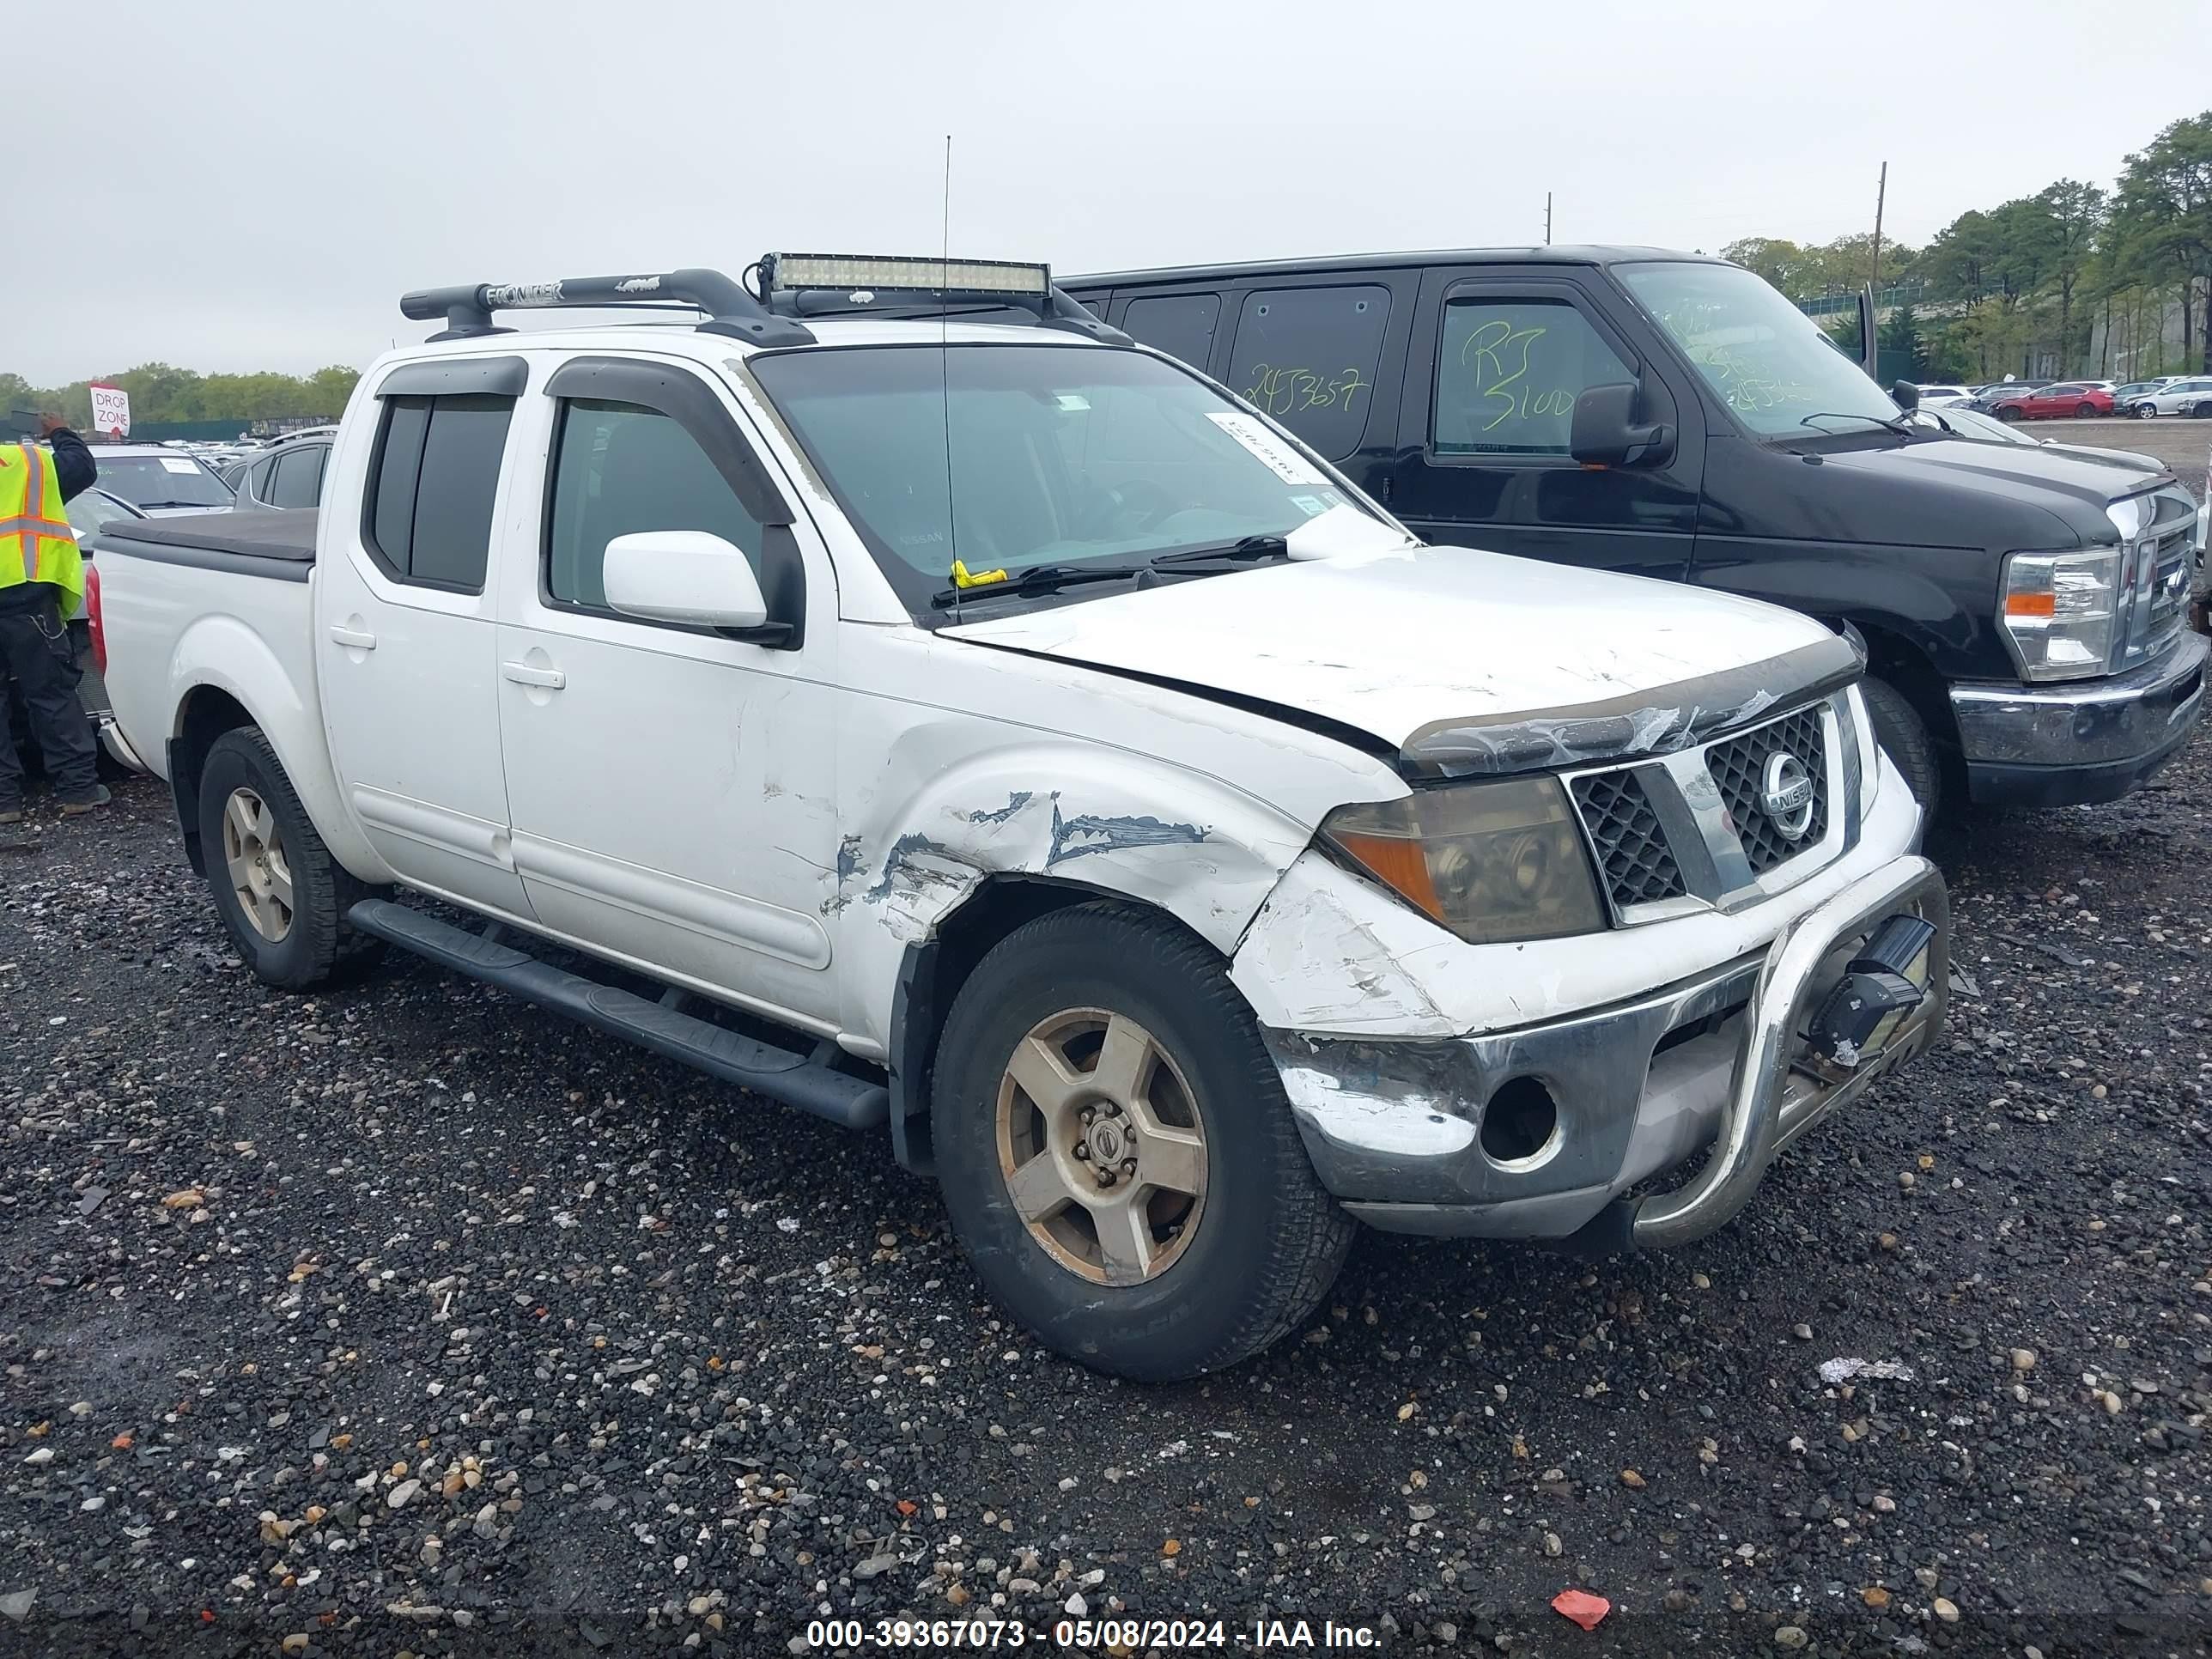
(289, 537)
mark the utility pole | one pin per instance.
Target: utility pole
(1547, 218)
(1880, 194)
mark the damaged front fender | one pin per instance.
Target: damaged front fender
(1206, 855)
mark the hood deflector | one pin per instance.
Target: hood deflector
(1636, 726)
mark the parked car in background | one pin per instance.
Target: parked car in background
(2124, 397)
(2189, 395)
(1963, 423)
(1943, 396)
(2068, 399)
(286, 475)
(158, 480)
(1066, 776)
(1640, 410)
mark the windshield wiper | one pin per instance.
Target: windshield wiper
(1898, 427)
(1252, 547)
(1038, 579)
(143, 505)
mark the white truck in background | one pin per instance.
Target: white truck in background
(985, 728)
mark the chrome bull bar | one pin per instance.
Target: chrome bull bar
(1770, 1103)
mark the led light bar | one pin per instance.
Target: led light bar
(789, 271)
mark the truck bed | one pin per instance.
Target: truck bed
(280, 546)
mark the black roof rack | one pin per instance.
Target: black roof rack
(736, 310)
(468, 308)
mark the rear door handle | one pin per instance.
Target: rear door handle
(353, 637)
(523, 674)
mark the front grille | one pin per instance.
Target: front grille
(2169, 598)
(1739, 767)
(1632, 847)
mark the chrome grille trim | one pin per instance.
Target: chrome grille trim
(1686, 832)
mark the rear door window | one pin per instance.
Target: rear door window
(431, 488)
(1181, 325)
(1309, 357)
(1508, 370)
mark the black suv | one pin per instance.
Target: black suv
(1672, 415)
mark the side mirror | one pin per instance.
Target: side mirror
(685, 576)
(1906, 396)
(1606, 432)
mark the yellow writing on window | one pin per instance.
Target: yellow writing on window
(1497, 356)
(1290, 390)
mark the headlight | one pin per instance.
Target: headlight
(2058, 611)
(1490, 861)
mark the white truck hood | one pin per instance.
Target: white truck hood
(1409, 643)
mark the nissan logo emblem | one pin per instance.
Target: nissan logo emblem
(1785, 791)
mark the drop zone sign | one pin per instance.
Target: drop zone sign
(110, 410)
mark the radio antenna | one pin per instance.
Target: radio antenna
(945, 368)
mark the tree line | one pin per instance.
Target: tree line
(161, 393)
(2022, 288)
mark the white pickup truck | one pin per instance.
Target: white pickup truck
(922, 707)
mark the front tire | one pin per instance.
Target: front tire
(2146, 411)
(2007, 412)
(1904, 737)
(280, 893)
(1117, 1153)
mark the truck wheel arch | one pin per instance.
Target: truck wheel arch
(207, 711)
(932, 971)
(1899, 662)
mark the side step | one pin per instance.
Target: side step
(781, 1074)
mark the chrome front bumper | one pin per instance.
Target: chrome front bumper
(1395, 1129)
(2082, 740)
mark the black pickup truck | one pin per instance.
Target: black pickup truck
(1674, 416)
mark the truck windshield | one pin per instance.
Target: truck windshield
(159, 481)
(1767, 360)
(1067, 456)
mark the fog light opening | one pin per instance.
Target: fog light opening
(1520, 1121)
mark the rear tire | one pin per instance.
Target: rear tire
(280, 893)
(1904, 737)
(1214, 1276)
(2086, 411)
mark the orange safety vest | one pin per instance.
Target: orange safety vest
(36, 544)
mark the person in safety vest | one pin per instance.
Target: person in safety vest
(41, 587)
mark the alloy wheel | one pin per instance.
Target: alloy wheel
(1101, 1146)
(260, 874)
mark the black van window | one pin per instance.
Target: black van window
(1181, 325)
(1307, 356)
(1507, 374)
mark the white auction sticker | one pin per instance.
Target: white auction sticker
(170, 464)
(1281, 458)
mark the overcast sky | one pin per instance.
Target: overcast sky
(250, 186)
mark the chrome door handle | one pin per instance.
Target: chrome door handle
(523, 674)
(353, 637)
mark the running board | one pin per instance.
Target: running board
(781, 1074)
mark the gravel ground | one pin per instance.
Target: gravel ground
(409, 1319)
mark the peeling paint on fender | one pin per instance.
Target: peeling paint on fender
(1075, 837)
